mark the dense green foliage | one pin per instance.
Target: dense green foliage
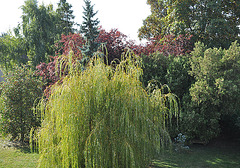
(34, 38)
(215, 22)
(12, 51)
(155, 24)
(207, 84)
(19, 92)
(65, 18)
(38, 28)
(177, 76)
(172, 71)
(103, 117)
(154, 67)
(105, 111)
(215, 93)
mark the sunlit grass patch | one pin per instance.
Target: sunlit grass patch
(13, 157)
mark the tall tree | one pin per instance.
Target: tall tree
(38, 25)
(65, 18)
(214, 22)
(158, 23)
(89, 29)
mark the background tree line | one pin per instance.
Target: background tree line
(32, 41)
(190, 48)
(214, 22)
(201, 64)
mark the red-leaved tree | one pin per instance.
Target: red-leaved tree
(168, 45)
(174, 45)
(49, 74)
(71, 42)
(115, 43)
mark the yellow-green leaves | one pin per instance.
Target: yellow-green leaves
(102, 117)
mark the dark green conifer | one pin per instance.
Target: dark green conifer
(65, 18)
(90, 30)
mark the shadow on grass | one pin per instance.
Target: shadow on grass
(25, 148)
(198, 156)
(22, 147)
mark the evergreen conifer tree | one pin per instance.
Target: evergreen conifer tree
(89, 29)
(65, 18)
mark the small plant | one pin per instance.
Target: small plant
(180, 141)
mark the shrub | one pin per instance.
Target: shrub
(102, 117)
(19, 93)
(215, 93)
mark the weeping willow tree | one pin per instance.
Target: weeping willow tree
(102, 117)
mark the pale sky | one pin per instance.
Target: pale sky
(126, 15)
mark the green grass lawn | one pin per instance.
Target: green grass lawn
(199, 156)
(16, 157)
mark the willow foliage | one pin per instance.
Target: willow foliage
(102, 117)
